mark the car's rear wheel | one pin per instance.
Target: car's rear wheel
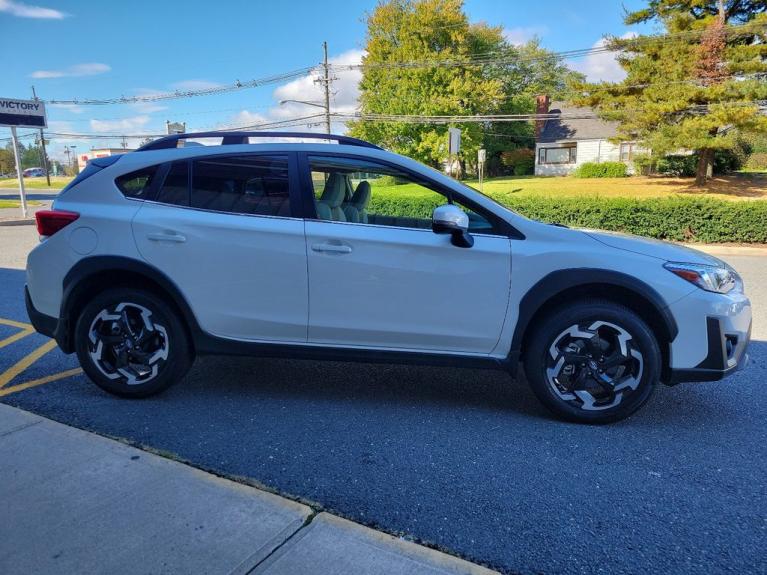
(593, 362)
(131, 343)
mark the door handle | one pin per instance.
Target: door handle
(333, 248)
(167, 237)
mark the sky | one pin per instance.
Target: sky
(83, 49)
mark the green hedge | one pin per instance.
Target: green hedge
(693, 219)
(601, 170)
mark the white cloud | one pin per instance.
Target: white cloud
(26, 11)
(344, 99)
(185, 85)
(123, 125)
(602, 67)
(76, 71)
(518, 36)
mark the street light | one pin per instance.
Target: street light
(316, 105)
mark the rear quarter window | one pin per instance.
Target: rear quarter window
(137, 184)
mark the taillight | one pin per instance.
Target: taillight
(51, 221)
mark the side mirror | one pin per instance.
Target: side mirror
(450, 219)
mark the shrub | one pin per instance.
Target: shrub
(521, 161)
(601, 170)
(691, 219)
(677, 165)
(757, 161)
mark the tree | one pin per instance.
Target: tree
(7, 161)
(696, 87)
(425, 58)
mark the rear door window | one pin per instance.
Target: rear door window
(242, 184)
(175, 188)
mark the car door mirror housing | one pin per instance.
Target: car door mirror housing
(450, 219)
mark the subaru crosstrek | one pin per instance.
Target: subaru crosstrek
(338, 249)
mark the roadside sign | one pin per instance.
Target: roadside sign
(454, 141)
(481, 159)
(175, 127)
(22, 113)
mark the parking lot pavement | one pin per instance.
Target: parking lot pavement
(463, 459)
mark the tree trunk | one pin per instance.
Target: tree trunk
(705, 157)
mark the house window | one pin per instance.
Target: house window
(627, 151)
(559, 155)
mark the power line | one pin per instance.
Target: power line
(179, 94)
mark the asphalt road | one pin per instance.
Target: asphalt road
(463, 459)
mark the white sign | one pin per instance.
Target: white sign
(175, 127)
(482, 155)
(22, 113)
(454, 141)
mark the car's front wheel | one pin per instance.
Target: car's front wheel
(131, 343)
(593, 362)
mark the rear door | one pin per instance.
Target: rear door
(227, 230)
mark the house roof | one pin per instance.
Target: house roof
(577, 124)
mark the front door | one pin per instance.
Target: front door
(379, 277)
(221, 228)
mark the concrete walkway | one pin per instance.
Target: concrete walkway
(75, 502)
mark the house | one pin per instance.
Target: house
(573, 136)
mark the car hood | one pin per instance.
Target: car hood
(654, 248)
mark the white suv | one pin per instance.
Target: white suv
(348, 252)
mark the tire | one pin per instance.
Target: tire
(131, 343)
(593, 361)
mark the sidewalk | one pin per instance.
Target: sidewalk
(73, 501)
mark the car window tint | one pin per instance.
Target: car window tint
(364, 192)
(133, 185)
(246, 184)
(175, 188)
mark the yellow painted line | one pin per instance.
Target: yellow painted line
(16, 337)
(14, 323)
(8, 375)
(25, 362)
(40, 381)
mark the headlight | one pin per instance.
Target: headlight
(717, 279)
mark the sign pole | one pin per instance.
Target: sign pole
(19, 173)
(42, 144)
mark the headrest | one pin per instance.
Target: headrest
(334, 192)
(361, 197)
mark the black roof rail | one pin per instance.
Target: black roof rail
(233, 138)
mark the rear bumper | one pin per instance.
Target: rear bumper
(727, 353)
(47, 325)
(42, 323)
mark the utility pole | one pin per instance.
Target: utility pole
(42, 144)
(326, 85)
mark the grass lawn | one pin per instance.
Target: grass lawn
(16, 204)
(57, 182)
(742, 187)
(722, 187)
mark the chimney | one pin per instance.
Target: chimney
(542, 102)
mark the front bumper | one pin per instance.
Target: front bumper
(727, 353)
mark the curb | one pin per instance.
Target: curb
(19, 222)
(730, 250)
(180, 517)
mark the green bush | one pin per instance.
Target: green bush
(690, 219)
(601, 170)
(521, 161)
(757, 161)
(677, 165)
